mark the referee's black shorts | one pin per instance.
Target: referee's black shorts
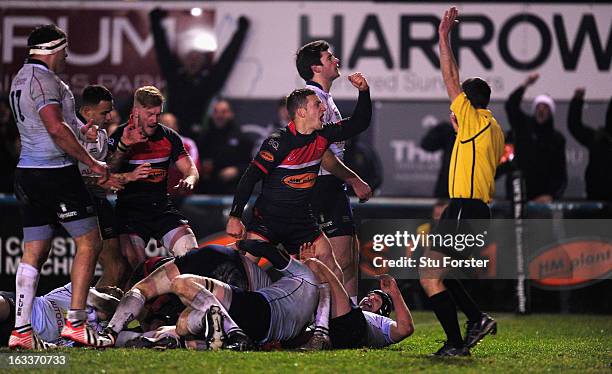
(462, 217)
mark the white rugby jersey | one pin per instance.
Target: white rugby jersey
(49, 313)
(332, 114)
(379, 330)
(33, 88)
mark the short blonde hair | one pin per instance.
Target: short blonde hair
(148, 97)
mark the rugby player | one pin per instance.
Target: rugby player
(317, 65)
(49, 187)
(350, 326)
(222, 314)
(288, 163)
(48, 311)
(477, 151)
(96, 108)
(212, 261)
(144, 209)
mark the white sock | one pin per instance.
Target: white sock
(354, 300)
(202, 302)
(130, 306)
(26, 282)
(322, 317)
(76, 316)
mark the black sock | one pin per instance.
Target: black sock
(445, 310)
(463, 299)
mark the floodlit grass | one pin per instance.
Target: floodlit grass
(524, 344)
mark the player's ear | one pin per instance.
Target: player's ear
(316, 68)
(301, 112)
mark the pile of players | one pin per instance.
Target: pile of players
(203, 298)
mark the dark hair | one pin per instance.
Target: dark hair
(281, 103)
(45, 34)
(95, 93)
(309, 55)
(387, 303)
(477, 91)
(298, 99)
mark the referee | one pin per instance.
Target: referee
(476, 154)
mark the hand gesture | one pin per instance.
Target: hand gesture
(101, 169)
(185, 185)
(449, 20)
(90, 131)
(133, 133)
(531, 79)
(141, 172)
(243, 23)
(388, 284)
(359, 81)
(235, 228)
(307, 250)
(579, 93)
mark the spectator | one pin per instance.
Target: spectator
(225, 152)
(599, 143)
(441, 138)
(174, 175)
(540, 149)
(363, 159)
(193, 81)
(9, 147)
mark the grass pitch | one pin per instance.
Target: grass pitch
(524, 344)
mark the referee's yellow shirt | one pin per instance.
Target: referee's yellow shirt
(476, 153)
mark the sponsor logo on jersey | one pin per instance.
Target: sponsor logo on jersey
(301, 181)
(266, 156)
(274, 144)
(156, 175)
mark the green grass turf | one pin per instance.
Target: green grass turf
(524, 344)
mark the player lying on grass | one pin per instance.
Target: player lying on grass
(222, 314)
(212, 261)
(48, 312)
(367, 325)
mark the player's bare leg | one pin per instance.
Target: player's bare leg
(83, 267)
(346, 251)
(324, 253)
(209, 300)
(115, 267)
(133, 249)
(157, 283)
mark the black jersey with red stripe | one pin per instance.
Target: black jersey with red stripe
(291, 162)
(160, 149)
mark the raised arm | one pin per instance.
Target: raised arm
(223, 67)
(167, 60)
(583, 134)
(516, 116)
(361, 117)
(448, 65)
(403, 326)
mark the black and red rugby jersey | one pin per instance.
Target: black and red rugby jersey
(163, 147)
(291, 162)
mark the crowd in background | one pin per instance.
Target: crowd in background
(222, 149)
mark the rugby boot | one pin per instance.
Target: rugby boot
(83, 334)
(25, 338)
(476, 330)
